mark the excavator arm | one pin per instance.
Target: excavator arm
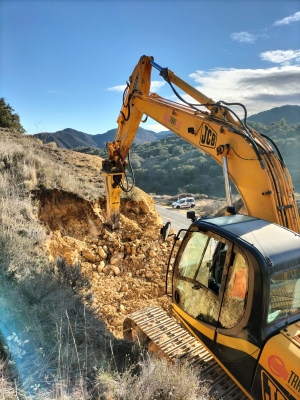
(247, 157)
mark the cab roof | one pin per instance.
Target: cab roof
(279, 244)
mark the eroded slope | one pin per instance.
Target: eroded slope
(126, 268)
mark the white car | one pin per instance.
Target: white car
(186, 202)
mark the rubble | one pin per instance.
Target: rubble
(126, 268)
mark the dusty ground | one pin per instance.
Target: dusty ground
(126, 268)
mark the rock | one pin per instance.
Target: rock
(133, 249)
(118, 256)
(124, 287)
(116, 270)
(106, 270)
(152, 253)
(122, 309)
(101, 266)
(105, 234)
(149, 274)
(102, 252)
(88, 255)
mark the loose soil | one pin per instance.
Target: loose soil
(125, 268)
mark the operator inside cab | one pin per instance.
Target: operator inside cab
(216, 270)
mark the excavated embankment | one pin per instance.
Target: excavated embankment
(126, 268)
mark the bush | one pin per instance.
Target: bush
(157, 379)
(9, 119)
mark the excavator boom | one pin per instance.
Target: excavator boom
(246, 156)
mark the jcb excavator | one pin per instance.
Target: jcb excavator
(235, 279)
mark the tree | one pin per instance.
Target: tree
(9, 119)
(282, 122)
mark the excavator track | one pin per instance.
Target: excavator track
(175, 343)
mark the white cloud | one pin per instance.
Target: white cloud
(155, 86)
(244, 37)
(281, 56)
(155, 127)
(257, 89)
(288, 20)
(118, 88)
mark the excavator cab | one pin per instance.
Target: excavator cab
(234, 286)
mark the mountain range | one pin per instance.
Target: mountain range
(71, 139)
(291, 114)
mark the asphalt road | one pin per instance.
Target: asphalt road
(177, 218)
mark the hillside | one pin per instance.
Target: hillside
(291, 114)
(67, 282)
(171, 166)
(71, 139)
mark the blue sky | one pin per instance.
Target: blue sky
(64, 62)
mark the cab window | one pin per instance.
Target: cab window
(196, 256)
(284, 294)
(200, 285)
(235, 295)
(197, 259)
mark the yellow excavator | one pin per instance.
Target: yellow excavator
(235, 279)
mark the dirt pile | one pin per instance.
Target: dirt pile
(126, 268)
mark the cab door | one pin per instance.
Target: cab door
(197, 282)
(210, 290)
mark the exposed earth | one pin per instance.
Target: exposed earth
(125, 268)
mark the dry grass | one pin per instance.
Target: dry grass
(157, 379)
(54, 348)
(31, 165)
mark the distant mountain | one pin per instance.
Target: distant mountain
(67, 138)
(71, 139)
(291, 114)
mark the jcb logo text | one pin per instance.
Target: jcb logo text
(208, 137)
